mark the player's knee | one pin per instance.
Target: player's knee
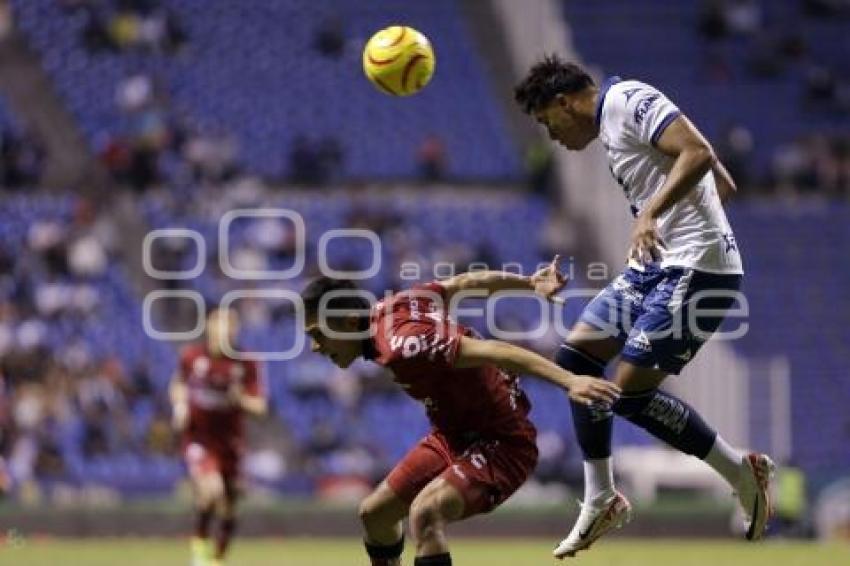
(210, 490)
(371, 512)
(426, 519)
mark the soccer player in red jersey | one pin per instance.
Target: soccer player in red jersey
(482, 445)
(210, 393)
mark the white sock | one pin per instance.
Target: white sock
(598, 480)
(726, 460)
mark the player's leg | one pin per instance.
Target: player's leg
(208, 492)
(664, 339)
(586, 352)
(382, 511)
(381, 514)
(226, 511)
(677, 423)
(437, 505)
(594, 341)
(477, 481)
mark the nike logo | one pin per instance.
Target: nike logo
(583, 535)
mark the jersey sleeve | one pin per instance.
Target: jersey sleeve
(644, 112)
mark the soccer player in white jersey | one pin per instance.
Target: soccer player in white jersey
(683, 256)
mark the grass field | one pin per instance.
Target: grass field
(347, 552)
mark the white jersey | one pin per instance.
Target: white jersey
(631, 116)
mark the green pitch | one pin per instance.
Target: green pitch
(344, 552)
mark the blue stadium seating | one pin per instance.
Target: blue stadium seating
(657, 41)
(250, 70)
(796, 285)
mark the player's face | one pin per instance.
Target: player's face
(340, 351)
(222, 328)
(564, 125)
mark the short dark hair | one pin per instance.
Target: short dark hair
(321, 286)
(547, 79)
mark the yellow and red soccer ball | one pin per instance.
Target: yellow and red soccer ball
(399, 60)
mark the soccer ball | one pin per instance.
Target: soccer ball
(399, 60)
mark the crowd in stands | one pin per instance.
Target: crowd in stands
(66, 399)
(774, 48)
(65, 402)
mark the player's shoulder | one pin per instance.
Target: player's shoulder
(431, 290)
(192, 351)
(629, 96)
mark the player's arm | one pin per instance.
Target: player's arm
(726, 187)
(250, 395)
(581, 388)
(256, 405)
(545, 282)
(178, 394)
(694, 158)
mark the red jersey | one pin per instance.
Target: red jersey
(214, 420)
(413, 336)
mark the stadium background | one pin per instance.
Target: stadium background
(119, 117)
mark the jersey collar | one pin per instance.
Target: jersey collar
(603, 90)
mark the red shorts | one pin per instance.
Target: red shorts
(202, 460)
(486, 472)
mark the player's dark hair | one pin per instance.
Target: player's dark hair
(321, 286)
(547, 79)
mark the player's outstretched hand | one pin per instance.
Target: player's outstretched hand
(589, 390)
(549, 280)
(645, 241)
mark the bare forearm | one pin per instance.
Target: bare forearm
(689, 168)
(522, 361)
(726, 187)
(177, 392)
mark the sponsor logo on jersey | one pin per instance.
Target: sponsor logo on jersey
(640, 342)
(622, 285)
(643, 107)
(411, 346)
(631, 92)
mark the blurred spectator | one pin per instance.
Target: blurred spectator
(314, 163)
(304, 162)
(331, 158)
(21, 160)
(813, 164)
(211, 156)
(735, 151)
(719, 18)
(6, 26)
(330, 37)
(431, 157)
(820, 84)
(826, 8)
(539, 165)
